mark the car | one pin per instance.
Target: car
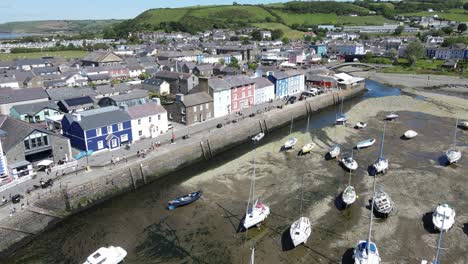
(307, 94)
(292, 99)
(16, 198)
(170, 126)
(4, 179)
(219, 125)
(314, 91)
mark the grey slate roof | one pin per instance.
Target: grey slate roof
(32, 109)
(261, 82)
(218, 84)
(106, 89)
(155, 82)
(196, 99)
(57, 94)
(100, 117)
(99, 77)
(96, 56)
(135, 94)
(286, 74)
(143, 110)
(20, 95)
(172, 75)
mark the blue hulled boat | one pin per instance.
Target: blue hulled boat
(184, 200)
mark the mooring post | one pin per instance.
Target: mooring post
(203, 150)
(209, 147)
(142, 173)
(131, 177)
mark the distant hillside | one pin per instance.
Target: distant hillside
(288, 16)
(57, 26)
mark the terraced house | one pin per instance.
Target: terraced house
(287, 82)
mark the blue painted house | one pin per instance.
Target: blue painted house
(287, 82)
(320, 49)
(98, 129)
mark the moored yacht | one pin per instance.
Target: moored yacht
(109, 255)
(349, 195)
(300, 231)
(453, 154)
(334, 151)
(381, 164)
(443, 217)
(382, 203)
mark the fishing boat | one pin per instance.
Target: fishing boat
(410, 134)
(349, 162)
(107, 255)
(256, 212)
(307, 148)
(366, 251)
(366, 143)
(334, 151)
(341, 118)
(453, 154)
(184, 200)
(290, 143)
(382, 203)
(443, 217)
(349, 195)
(258, 137)
(300, 229)
(360, 125)
(391, 116)
(381, 164)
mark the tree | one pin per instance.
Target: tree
(222, 61)
(393, 54)
(234, 63)
(256, 35)
(462, 27)
(277, 34)
(144, 76)
(253, 65)
(465, 6)
(399, 30)
(447, 30)
(414, 51)
(285, 40)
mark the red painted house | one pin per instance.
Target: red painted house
(242, 92)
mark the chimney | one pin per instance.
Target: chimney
(179, 97)
(203, 84)
(76, 117)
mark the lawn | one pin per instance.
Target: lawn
(288, 32)
(235, 13)
(64, 54)
(156, 16)
(452, 14)
(317, 19)
(421, 67)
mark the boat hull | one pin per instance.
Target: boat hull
(441, 224)
(290, 143)
(334, 152)
(184, 200)
(256, 215)
(361, 256)
(365, 143)
(307, 148)
(300, 231)
(349, 195)
(410, 134)
(350, 165)
(381, 165)
(453, 155)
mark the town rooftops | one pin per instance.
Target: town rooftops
(228, 82)
(172, 75)
(286, 74)
(100, 117)
(196, 99)
(34, 108)
(27, 62)
(98, 77)
(58, 94)
(143, 110)
(99, 56)
(155, 82)
(8, 95)
(135, 94)
(107, 89)
(261, 82)
(77, 102)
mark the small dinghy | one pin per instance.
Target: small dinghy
(300, 231)
(258, 137)
(381, 165)
(349, 163)
(307, 148)
(382, 203)
(463, 125)
(453, 155)
(443, 217)
(349, 195)
(360, 125)
(391, 116)
(184, 200)
(366, 252)
(410, 134)
(334, 151)
(290, 143)
(341, 119)
(109, 255)
(365, 143)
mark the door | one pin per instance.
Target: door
(114, 143)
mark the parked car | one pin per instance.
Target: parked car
(314, 91)
(307, 94)
(4, 179)
(16, 198)
(292, 99)
(219, 126)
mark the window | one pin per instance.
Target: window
(234, 96)
(149, 119)
(207, 106)
(46, 112)
(100, 144)
(139, 121)
(119, 126)
(208, 115)
(123, 138)
(26, 144)
(195, 109)
(98, 132)
(159, 117)
(140, 133)
(33, 143)
(109, 129)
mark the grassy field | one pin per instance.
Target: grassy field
(288, 32)
(422, 67)
(452, 14)
(64, 54)
(235, 13)
(315, 19)
(156, 16)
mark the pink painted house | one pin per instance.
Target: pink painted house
(242, 92)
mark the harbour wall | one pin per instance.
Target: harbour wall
(63, 200)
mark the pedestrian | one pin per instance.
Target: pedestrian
(22, 207)
(11, 211)
(113, 160)
(138, 153)
(4, 200)
(47, 171)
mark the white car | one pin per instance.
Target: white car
(170, 126)
(315, 91)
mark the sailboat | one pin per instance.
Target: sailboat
(300, 230)
(382, 203)
(256, 212)
(381, 165)
(453, 154)
(341, 118)
(349, 194)
(439, 244)
(307, 148)
(290, 143)
(366, 251)
(349, 162)
(391, 116)
(443, 217)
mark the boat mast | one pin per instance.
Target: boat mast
(291, 127)
(252, 257)
(382, 143)
(371, 219)
(302, 192)
(437, 258)
(455, 134)
(252, 187)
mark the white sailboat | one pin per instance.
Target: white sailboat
(341, 118)
(349, 162)
(307, 148)
(381, 165)
(258, 137)
(290, 143)
(453, 154)
(334, 151)
(365, 143)
(256, 212)
(410, 134)
(383, 203)
(443, 217)
(437, 257)
(360, 125)
(109, 255)
(366, 251)
(391, 116)
(463, 125)
(300, 230)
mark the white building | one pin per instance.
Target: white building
(221, 93)
(10, 82)
(148, 120)
(264, 90)
(350, 48)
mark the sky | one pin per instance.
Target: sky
(27, 10)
